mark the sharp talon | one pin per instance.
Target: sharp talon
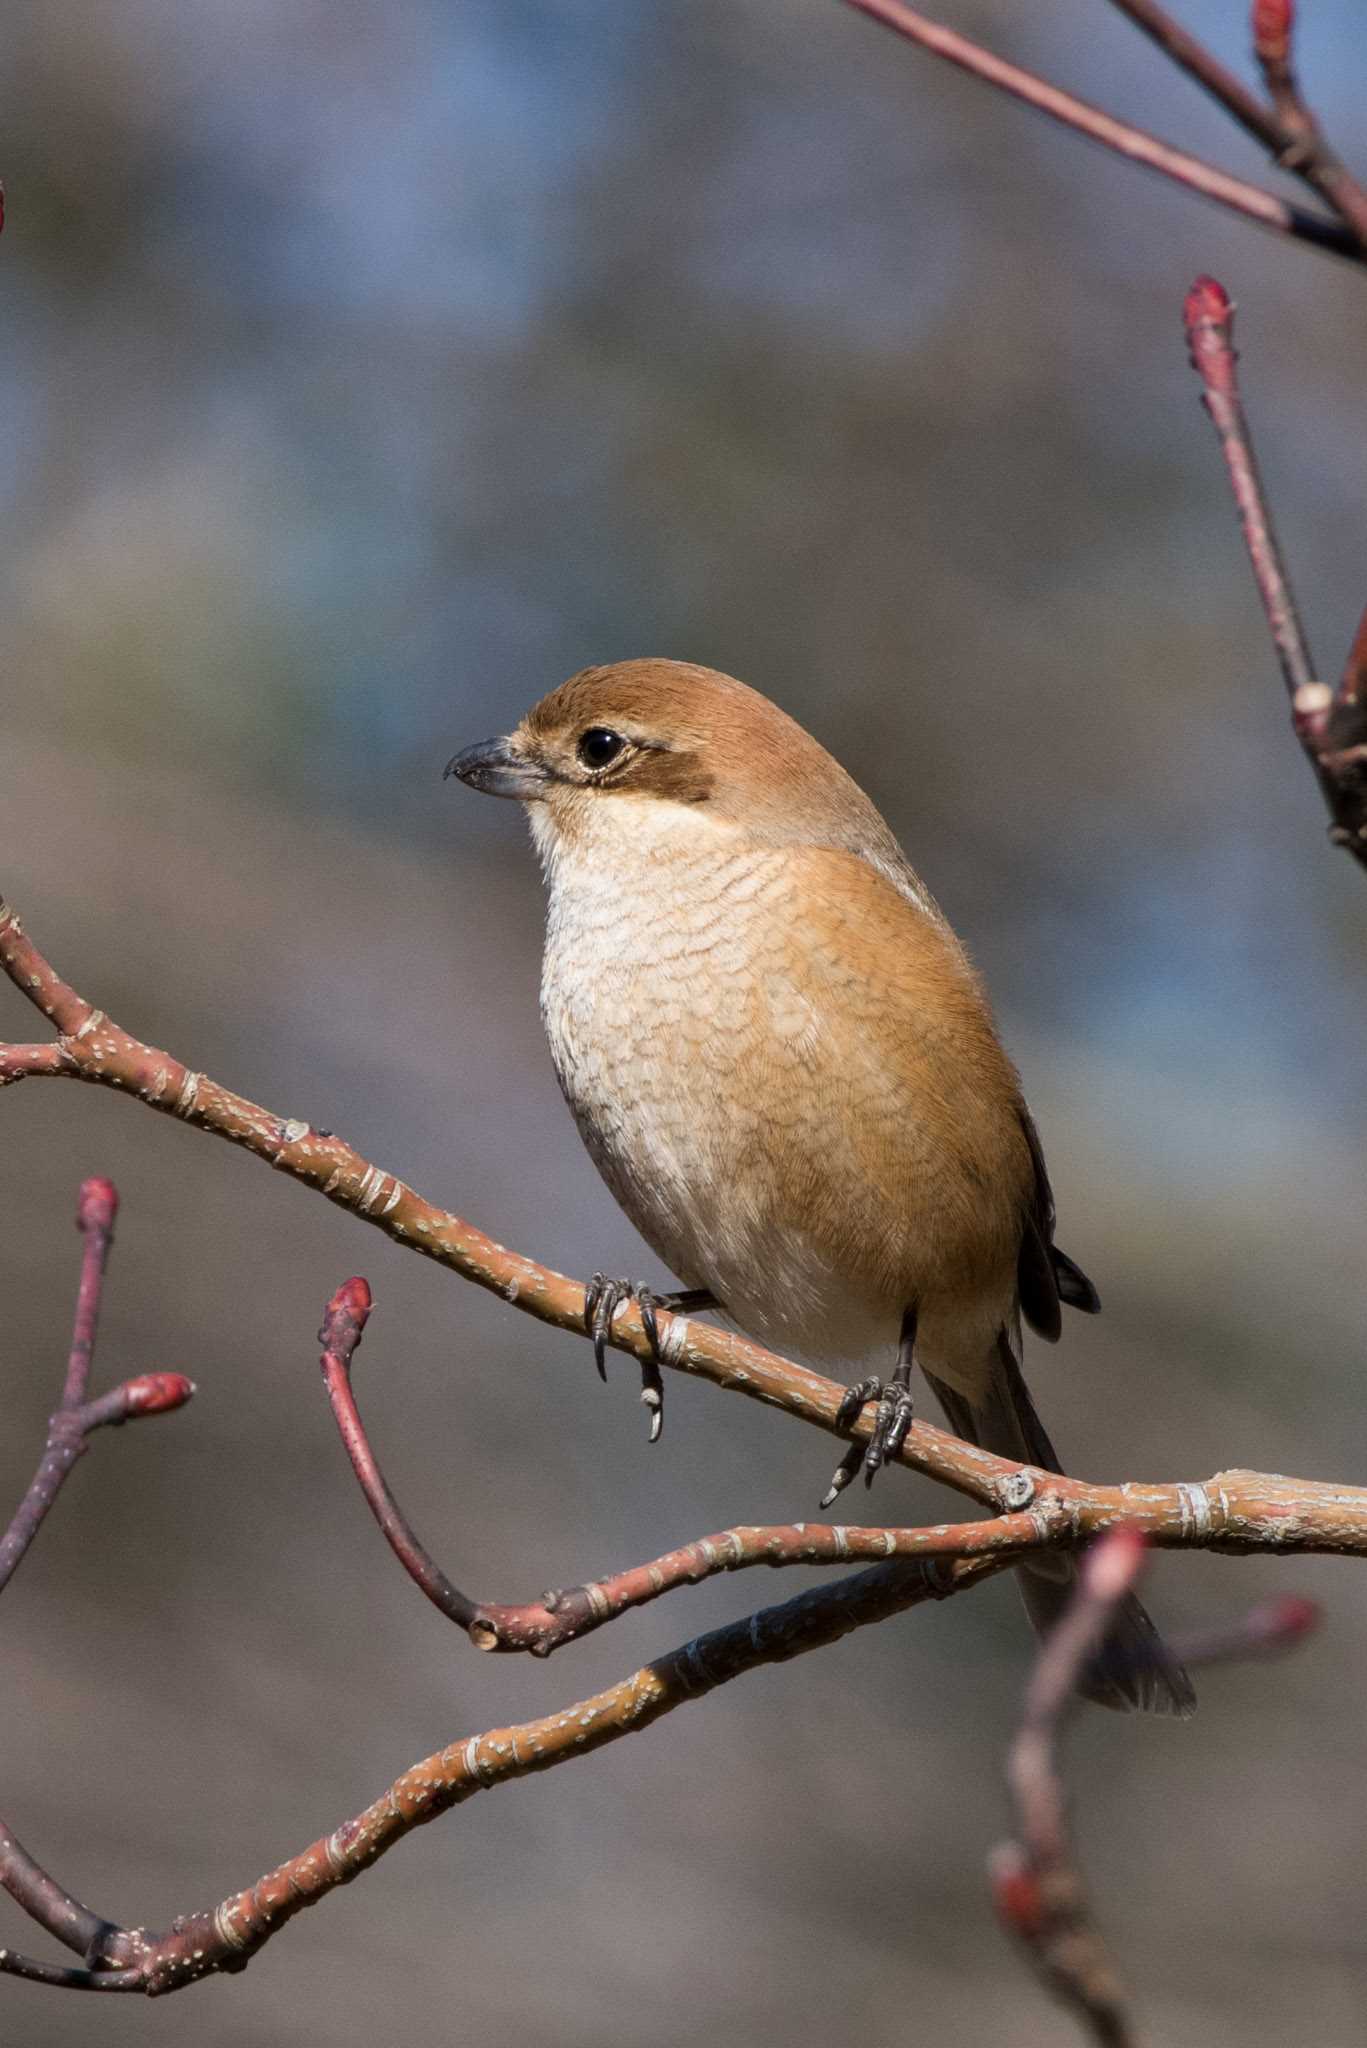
(843, 1473)
(603, 1298)
(646, 1302)
(891, 1422)
(653, 1395)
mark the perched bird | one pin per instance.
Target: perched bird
(786, 1070)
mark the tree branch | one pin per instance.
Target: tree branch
(1121, 137)
(226, 1938)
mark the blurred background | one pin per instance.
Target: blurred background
(367, 369)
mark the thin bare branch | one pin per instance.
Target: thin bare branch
(96, 1208)
(1332, 730)
(1304, 148)
(1035, 1879)
(344, 1320)
(1121, 137)
(45, 1901)
(1268, 1630)
(1191, 55)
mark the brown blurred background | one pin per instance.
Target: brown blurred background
(368, 368)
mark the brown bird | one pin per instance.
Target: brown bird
(787, 1072)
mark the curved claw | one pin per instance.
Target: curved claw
(890, 1424)
(603, 1298)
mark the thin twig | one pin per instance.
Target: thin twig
(1122, 137)
(47, 1902)
(1035, 1879)
(344, 1320)
(1192, 56)
(1304, 148)
(1331, 731)
(1268, 1630)
(96, 1208)
(153, 1393)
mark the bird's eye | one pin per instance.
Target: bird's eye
(600, 746)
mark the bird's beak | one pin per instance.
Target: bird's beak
(496, 768)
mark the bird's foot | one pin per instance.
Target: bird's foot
(890, 1423)
(890, 1426)
(603, 1298)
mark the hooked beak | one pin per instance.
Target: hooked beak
(494, 767)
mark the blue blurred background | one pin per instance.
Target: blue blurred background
(367, 370)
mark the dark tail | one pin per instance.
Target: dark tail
(1134, 1667)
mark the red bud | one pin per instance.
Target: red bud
(1015, 1891)
(1207, 301)
(1273, 24)
(346, 1315)
(156, 1393)
(1283, 1622)
(1113, 1561)
(98, 1202)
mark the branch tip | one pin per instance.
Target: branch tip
(157, 1393)
(1113, 1564)
(345, 1317)
(1273, 24)
(97, 1205)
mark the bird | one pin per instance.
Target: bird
(786, 1069)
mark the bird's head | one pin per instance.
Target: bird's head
(643, 744)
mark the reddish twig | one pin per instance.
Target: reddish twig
(1122, 137)
(1192, 56)
(1303, 147)
(151, 1393)
(69, 1428)
(1332, 729)
(1035, 1881)
(1267, 1630)
(96, 1207)
(344, 1320)
(44, 1900)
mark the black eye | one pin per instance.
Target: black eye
(600, 746)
